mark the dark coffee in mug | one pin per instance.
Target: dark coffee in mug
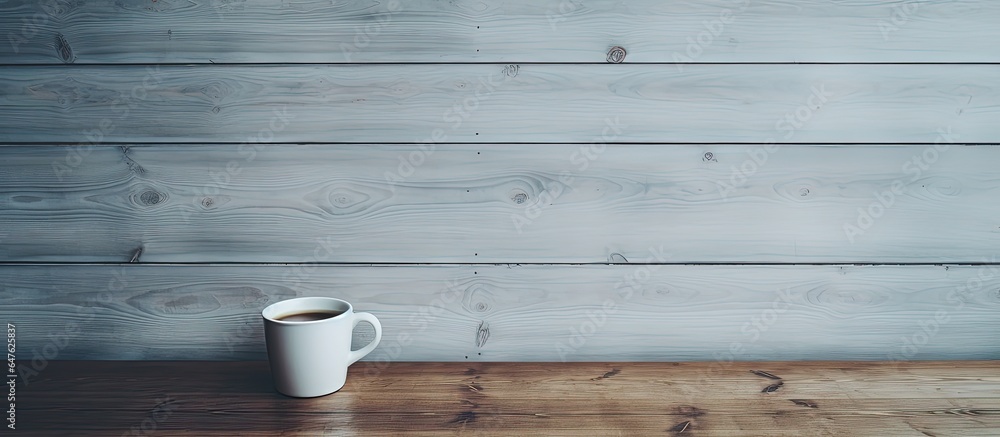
(309, 316)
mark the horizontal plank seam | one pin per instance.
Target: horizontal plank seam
(484, 264)
(512, 143)
(281, 64)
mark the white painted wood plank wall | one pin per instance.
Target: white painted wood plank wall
(523, 313)
(502, 103)
(521, 31)
(148, 132)
(514, 203)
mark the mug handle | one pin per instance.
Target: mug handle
(360, 353)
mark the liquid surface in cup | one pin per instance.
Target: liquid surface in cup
(309, 316)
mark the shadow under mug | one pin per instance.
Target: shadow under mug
(310, 358)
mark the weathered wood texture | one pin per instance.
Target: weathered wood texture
(222, 31)
(497, 103)
(936, 398)
(500, 203)
(519, 313)
(505, 93)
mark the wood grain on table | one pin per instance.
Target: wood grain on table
(413, 398)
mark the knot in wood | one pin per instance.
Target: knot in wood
(511, 70)
(482, 333)
(150, 197)
(616, 55)
(64, 50)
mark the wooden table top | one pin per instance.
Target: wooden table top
(960, 398)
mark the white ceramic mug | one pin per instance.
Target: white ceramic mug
(310, 358)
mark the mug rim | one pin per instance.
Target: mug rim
(270, 312)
